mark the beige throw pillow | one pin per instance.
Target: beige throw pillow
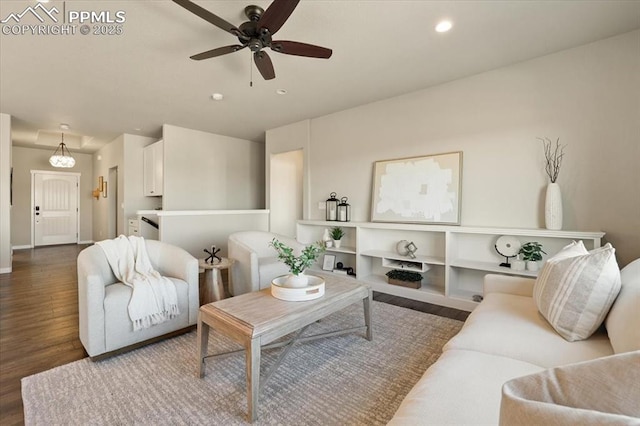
(604, 391)
(574, 292)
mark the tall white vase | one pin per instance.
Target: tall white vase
(553, 207)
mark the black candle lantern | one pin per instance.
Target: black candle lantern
(332, 207)
(344, 210)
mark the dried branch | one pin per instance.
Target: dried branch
(553, 156)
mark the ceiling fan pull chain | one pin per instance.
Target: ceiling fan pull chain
(250, 70)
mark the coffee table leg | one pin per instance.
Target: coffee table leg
(203, 344)
(367, 315)
(253, 378)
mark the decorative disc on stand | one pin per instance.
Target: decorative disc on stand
(508, 247)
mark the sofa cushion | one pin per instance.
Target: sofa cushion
(462, 387)
(575, 292)
(510, 325)
(623, 322)
(602, 391)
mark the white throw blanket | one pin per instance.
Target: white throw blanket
(154, 298)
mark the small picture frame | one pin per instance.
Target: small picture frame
(328, 262)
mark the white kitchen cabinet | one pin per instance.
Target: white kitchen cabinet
(153, 174)
(452, 259)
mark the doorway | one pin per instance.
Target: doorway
(54, 208)
(286, 192)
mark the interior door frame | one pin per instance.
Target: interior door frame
(33, 201)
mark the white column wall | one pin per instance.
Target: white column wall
(5, 188)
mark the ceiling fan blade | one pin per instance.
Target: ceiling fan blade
(277, 14)
(300, 49)
(217, 52)
(208, 16)
(264, 64)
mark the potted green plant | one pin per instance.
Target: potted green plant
(336, 234)
(404, 278)
(297, 264)
(532, 253)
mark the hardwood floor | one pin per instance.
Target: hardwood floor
(39, 319)
(421, 306)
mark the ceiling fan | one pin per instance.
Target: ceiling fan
(256, 34)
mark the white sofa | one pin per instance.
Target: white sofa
(504, 338)
(256, 262)
(105, 325)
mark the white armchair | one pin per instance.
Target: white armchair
(256, 262)
(105, 325)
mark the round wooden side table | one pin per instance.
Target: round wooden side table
(213, 289)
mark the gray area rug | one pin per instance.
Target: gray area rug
(332, 381)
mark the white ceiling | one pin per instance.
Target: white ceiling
(103, 86)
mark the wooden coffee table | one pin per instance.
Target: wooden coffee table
(256, 319)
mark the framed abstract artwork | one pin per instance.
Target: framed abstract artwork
(424, 190)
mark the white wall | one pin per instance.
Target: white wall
(205, 171)
(199, 230)
(288, 138)
(5, 188)
(27, 159)
(586, 96)
(107, 157)
(125, 153)
(286, 179)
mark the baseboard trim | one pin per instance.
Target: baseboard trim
(28, 246)
(5, 270)
(86, 242)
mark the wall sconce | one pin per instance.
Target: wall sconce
(101, 189)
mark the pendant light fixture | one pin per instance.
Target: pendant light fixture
(62, 159)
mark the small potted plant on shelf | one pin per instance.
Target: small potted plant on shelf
(404, 278)
(337, 233)
(532, 253)
(297, 264)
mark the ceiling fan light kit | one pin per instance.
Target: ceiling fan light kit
(256, 34)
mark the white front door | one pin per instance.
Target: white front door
(55, 208)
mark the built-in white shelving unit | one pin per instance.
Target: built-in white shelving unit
(452, 259)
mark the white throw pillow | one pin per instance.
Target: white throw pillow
(575, 248)
(623, 322)
(574, 292)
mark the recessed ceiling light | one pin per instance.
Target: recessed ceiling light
(217, 96)
(281, 91)
(64, 126)
(137, 129)
(443, 26)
